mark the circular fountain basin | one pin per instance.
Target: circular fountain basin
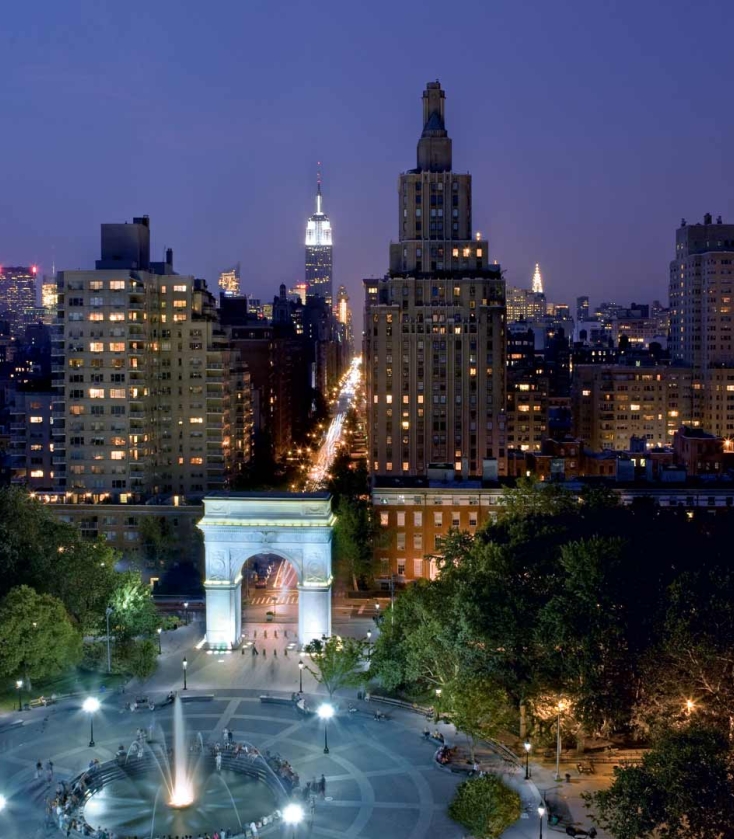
(138, 805)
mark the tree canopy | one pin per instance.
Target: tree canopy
(337, 662)
(36, 636)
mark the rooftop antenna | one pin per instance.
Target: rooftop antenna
(318, 188)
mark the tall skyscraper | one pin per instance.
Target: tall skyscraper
(435, 327)
(229, 281)
(146, 379)
(537, 280)
(18, 297)
(701, 319)
(319, 250)
(582, 308)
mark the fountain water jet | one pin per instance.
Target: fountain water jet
(182, 794)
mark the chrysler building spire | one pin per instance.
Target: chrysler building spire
(537, 280)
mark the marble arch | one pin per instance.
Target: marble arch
(238, 525)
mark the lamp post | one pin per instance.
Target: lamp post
(561, 707)
(293, 815)
(185, 664)
(19, 686)
(107, 612)
(326, 712)
(369, 644)
(527, 747)
(300, 676)
(91, 706)
(541, 813)
(274, 601)
(186, 612)
(159, 631)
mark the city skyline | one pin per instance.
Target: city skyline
(561, 154)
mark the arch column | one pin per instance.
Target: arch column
(297, 527)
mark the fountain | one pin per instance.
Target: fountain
(129, 798)
(182, 794)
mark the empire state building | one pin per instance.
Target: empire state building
(319, 251)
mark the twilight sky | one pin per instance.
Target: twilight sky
(590, 127)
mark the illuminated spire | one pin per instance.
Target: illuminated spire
(537, 280)
(319, 211)
(318, 229)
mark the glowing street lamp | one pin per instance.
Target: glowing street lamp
(561, 708)
(527, 748)
(326, 712)
(185, 665)
(19, 686)
(690, 707)
(107, 612)
(300, 676)
(91, 706)
(159, 631)
(541, 813)
(186, 612)
(3, 802)
(293, 815)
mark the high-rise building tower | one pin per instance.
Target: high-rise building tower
(701, 325)
(146, 380)
(18, 297)
(435, 327)
(537, 280)
(582, 308)
(319, 251)
(229, 282)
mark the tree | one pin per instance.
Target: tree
(480, 709)
(337, 662)
(140, 658)
(157, 539)
(682, 790)
(134, 612)
(83, 577)
(36, 636)
(485, 806)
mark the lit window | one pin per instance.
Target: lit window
(95, 285)
(384, 519)
(634, 407)
(36, 419)
(96, 393)
(586, 393)
(116, 316)
(37, 473)
(96, 346)
(479, 251)
(117, 455)
(197, 461)
(455, 252)
(177, 288)
(179, 304)
(117, 285)
(196, 420)
(117, 393)
(388, 399)
(466, 251)
(96, 316)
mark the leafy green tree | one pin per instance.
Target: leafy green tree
(134, 612)
(337, 662)
(479, 709)
(37, 639)
(531, 497)
(157, 539)
(485, 806)
(84, 577)
(141, 658)
(682, 790)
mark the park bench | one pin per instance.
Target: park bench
(586, 767)
(197, 697)
(276, 700)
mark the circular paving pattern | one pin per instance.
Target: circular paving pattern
(381, 781)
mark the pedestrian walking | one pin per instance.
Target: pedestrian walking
(322, 786)
(254, 650)
(49, 770)
(39, 769)
(218, 761)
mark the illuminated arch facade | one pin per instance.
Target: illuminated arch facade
(237, 526)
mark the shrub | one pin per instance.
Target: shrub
(485, 806)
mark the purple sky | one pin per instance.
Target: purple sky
(590, 129)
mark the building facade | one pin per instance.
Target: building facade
(146, 381)
(18, 297)
(319, 251)
(434, 348)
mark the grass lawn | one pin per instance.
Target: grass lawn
(74, 680)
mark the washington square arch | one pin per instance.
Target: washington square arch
(296, 527)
